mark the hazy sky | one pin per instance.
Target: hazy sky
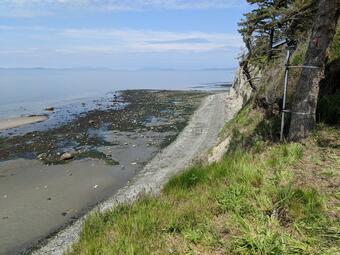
(120, 34)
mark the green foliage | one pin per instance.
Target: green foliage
(335, 47)
(266, 237)
(233, 199)
(188, 179)
(283, 155)
(272, 20)
(299, 55)
(250, 128)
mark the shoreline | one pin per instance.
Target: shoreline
(105, 149)
(197, 138)
(21, 121)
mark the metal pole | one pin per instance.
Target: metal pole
(285, 95)
(311, 67)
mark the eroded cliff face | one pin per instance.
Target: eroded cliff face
(241, 89)
(238, 96)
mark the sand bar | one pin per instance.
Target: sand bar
(20, 121)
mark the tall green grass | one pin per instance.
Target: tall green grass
(246, 204)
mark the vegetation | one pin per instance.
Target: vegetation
(335, 47)
(262, 197)
(297, 21)
(270, 21)
(329, 97)
(255, 201)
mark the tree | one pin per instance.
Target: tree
(298, 17)
(261, 25)
(259, 29)
(271, 20)
(304, 105)
(247, 30)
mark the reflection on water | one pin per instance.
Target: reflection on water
(29, 91)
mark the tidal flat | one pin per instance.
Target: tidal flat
(137, 111)
(52, 176)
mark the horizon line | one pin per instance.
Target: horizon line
(118, 69)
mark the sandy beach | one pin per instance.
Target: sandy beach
(21, 121)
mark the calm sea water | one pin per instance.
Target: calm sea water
(29, 91)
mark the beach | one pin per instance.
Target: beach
(52, 176)
(191, 146)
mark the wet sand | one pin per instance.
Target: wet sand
(21, 121)
(36, 199)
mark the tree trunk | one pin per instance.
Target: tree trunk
(247, 41)
(246, 72)
(307, 90)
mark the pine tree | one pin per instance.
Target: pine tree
(261, 24)
(270, 20)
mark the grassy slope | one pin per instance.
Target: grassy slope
(269, 199)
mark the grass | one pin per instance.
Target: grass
(243, 124)
(252, 202)
(299, 54)
(262, 198)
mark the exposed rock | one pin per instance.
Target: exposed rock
(42, 156)
(66, 156)
(49, 108)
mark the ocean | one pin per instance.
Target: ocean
(30, 91)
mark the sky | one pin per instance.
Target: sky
(120, 34)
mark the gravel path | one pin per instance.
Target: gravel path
(195, 140)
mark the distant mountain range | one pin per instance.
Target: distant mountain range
(112, 69)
